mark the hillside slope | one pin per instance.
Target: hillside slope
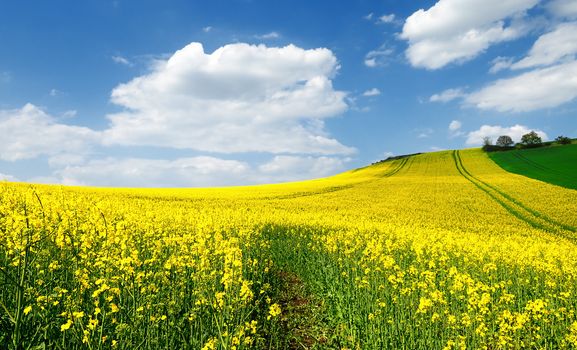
(439, 250)
(556, 165)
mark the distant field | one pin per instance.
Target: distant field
(556, 165)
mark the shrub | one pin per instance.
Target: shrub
(563, 140)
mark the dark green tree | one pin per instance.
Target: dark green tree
(531, 139)
(505, 141)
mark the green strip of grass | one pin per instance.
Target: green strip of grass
(556, 164)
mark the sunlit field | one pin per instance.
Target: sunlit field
(443, 250)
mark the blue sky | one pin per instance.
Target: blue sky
(199, 93)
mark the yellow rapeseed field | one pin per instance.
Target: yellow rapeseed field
(436, 251)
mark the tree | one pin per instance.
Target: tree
(563, 140)
(487, 144)
(505, 141)
(531, 139)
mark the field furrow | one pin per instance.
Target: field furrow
(517, 208)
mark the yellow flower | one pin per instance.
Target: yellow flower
(210, 344)
(273, 311)
(66, 326)
(424, 305)
(113, 308)
(92, 323)
(27, 309)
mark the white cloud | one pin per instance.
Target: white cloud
(70, 113)
(292, 168)
(387, 18)
(240, 98)
(447, 95)
(563, 8)
(455, 125)
(553, 47)
(65, 159)
(369, 16)
(134, 172)
(207, 29)
(121, 60)
(6, 177)
(541, 88)
(370, 62)
(475, 138)
(455, 129)
(378, 57)
(268, 36)
(500, 63)
(454, 31)
(30, 132)
(372, 92)
(199, 171)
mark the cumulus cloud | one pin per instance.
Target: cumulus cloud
(476, 137)
(563, 8)
(454, 31)
(372, 92)
(136, 172)
(553, 47)
(541, 88)
(448, 95)
(201, 171)
(455, 128)
(549, 84)
(29, 132)
(292, 168)
(378, 57)
(240, 98)
(455, 125)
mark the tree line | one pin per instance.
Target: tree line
(529, 140)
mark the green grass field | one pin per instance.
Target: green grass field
(556, 165)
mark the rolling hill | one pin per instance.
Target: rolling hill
(441, 250)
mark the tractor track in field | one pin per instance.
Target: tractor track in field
(398, 168)
(536, 164)
(516, 208)
(331, 189)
